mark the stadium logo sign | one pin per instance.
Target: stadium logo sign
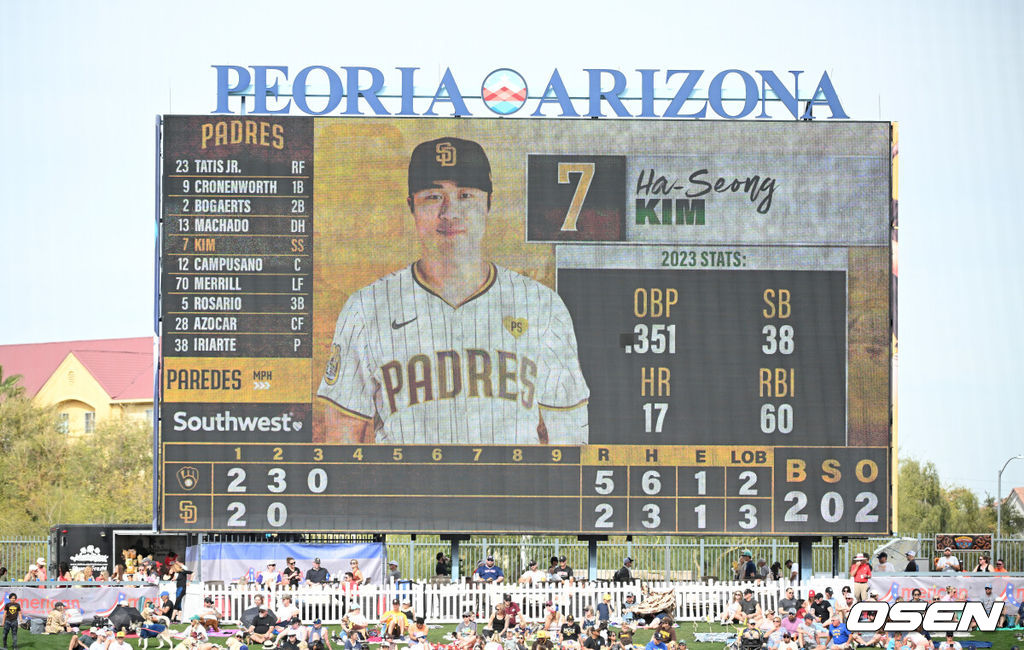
(592, 92)
(869, 616)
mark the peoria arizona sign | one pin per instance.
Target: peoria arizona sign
(691, 94)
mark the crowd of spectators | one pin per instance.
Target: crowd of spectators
(815, 622)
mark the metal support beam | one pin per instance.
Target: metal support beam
(592, 541)
(454, 540)
(805, 553)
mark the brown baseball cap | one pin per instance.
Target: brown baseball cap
(449, 159)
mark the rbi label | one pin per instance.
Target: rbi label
(188, 478)
(504, 91)
(188, 512)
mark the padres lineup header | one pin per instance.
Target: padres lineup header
(623, 327)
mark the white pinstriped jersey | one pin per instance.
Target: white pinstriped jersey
(428, 372)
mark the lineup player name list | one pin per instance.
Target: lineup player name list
(238, 266)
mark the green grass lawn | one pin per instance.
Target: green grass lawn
(1003, 640)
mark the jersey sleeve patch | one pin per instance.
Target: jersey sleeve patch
(333, 364)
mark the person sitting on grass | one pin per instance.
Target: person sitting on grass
(393, 622)
(56, 621)
(354, 621)
(418, 632)
(260, 630)
(319, 633)
(466, 632)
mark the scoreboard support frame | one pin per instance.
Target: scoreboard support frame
(454, 540)
(805, 554)
(592, 541)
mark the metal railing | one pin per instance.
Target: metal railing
(17, 555)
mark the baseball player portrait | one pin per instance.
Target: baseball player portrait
(453, 348)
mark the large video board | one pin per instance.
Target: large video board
(452, 325)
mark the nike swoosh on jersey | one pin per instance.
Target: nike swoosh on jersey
(395, 325)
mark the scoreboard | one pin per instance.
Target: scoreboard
(669, 326)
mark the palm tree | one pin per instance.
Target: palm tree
(10, 386)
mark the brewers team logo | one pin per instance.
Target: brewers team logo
(504, 91)
(188, 512)
(333, 363)
(445, 154)
(515, 326)
(188, 478)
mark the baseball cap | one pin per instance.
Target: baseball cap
(808, 617)
(664, 636)
(988, 586)
(449, 159)
(59, 604)
(394, 601)
(316, 560)
(746, 552)
(40, 561)
(883, 554)
(194, 617)
(271, 563)
(393, 563)
(606, 597)
(860, 556)
(120, 634)
(164, 593)
(490, 558)
(873, 592)
(561, 558)
(791, 610)
(911, 554)
(533, 563)
(507, 598)
(354, 607)
(627, 559)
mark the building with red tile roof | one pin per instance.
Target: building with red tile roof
(88, 381)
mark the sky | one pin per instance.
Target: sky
(84, 81)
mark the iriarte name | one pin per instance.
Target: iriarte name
(361, 90)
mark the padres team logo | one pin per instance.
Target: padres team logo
(188, 512)
(515, 326)
(445, 154)
(188, 478)
(504, 91)
(333, 364)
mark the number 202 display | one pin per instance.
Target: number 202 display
(461, 326)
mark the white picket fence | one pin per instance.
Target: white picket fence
(445, 603)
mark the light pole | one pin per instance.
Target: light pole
(999, 502)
